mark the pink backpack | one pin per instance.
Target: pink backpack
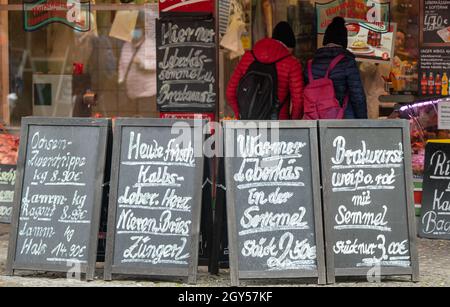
(320, 97)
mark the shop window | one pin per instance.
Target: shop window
(59, 71)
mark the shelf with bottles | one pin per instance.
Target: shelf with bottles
(435, 84)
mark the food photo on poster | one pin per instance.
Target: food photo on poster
(371, 43)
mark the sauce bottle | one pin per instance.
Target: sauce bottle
(445, 85)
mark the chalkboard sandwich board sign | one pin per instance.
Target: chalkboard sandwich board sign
(273, 200)
(186, 64)
(435, 218)
(7, 187)
(155, 199)
(58, 195)
(368, 199)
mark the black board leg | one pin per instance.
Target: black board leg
(219, 215)
(217, 236)
(107, 276)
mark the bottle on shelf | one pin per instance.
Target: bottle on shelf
(424, 84)
(438, 84)
(431, 84)
(445, 85)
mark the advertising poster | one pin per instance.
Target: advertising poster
(370, 11)
(435, 22)
(434, 71)
(369, 44)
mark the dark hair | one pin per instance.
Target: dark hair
(336, 33)
(284, 33)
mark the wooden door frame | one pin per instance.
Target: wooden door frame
(4, 65)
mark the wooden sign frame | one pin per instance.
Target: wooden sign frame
(429, 189)
(104, 125)
(332, 272)
(5, 219)
(110, 269)
(236, 274)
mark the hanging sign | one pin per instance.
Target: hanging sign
(189, 6)
(374, 14)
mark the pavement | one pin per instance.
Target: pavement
(434, 257)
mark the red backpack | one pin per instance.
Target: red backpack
(320, 97)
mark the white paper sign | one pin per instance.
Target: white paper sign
(444, 115)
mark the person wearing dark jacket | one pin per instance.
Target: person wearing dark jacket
(345, 76)
(289, 71)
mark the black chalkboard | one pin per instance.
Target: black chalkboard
(435, 217)
(155, 199)
(7, 187)
(186, 64)
(273, 200)
(368, 198)
(435, 22)
(58, 192)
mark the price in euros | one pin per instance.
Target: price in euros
(435, 22)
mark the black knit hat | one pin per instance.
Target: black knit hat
(336, 33)
(284, 33)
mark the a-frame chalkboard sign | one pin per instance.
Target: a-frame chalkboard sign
(368, 199)
(155, 199)
(273, 200)
(59, 189)
(435, 217)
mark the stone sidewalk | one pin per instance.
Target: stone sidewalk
(434, 271)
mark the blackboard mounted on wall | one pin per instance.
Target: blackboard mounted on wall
(434, 23)
(187, 63)
(435, 217)
(58, 195)
(273, 200)
(368, 199)
(155, 199)
(7, 187)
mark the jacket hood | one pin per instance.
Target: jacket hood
(269, 50)
(332, 52)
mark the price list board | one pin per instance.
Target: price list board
(368, 199)
(435, 23)
(59, 190)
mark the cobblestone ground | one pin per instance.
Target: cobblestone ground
(434, 271)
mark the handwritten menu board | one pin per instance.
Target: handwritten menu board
(58, 195)
(186, 64)
(273, 200)
(7, 186)
(435, 219)
(368, 198)
(155, 199)
(435, 22)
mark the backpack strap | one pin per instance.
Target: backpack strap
(333, 64)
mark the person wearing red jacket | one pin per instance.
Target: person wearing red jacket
(289, 70)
